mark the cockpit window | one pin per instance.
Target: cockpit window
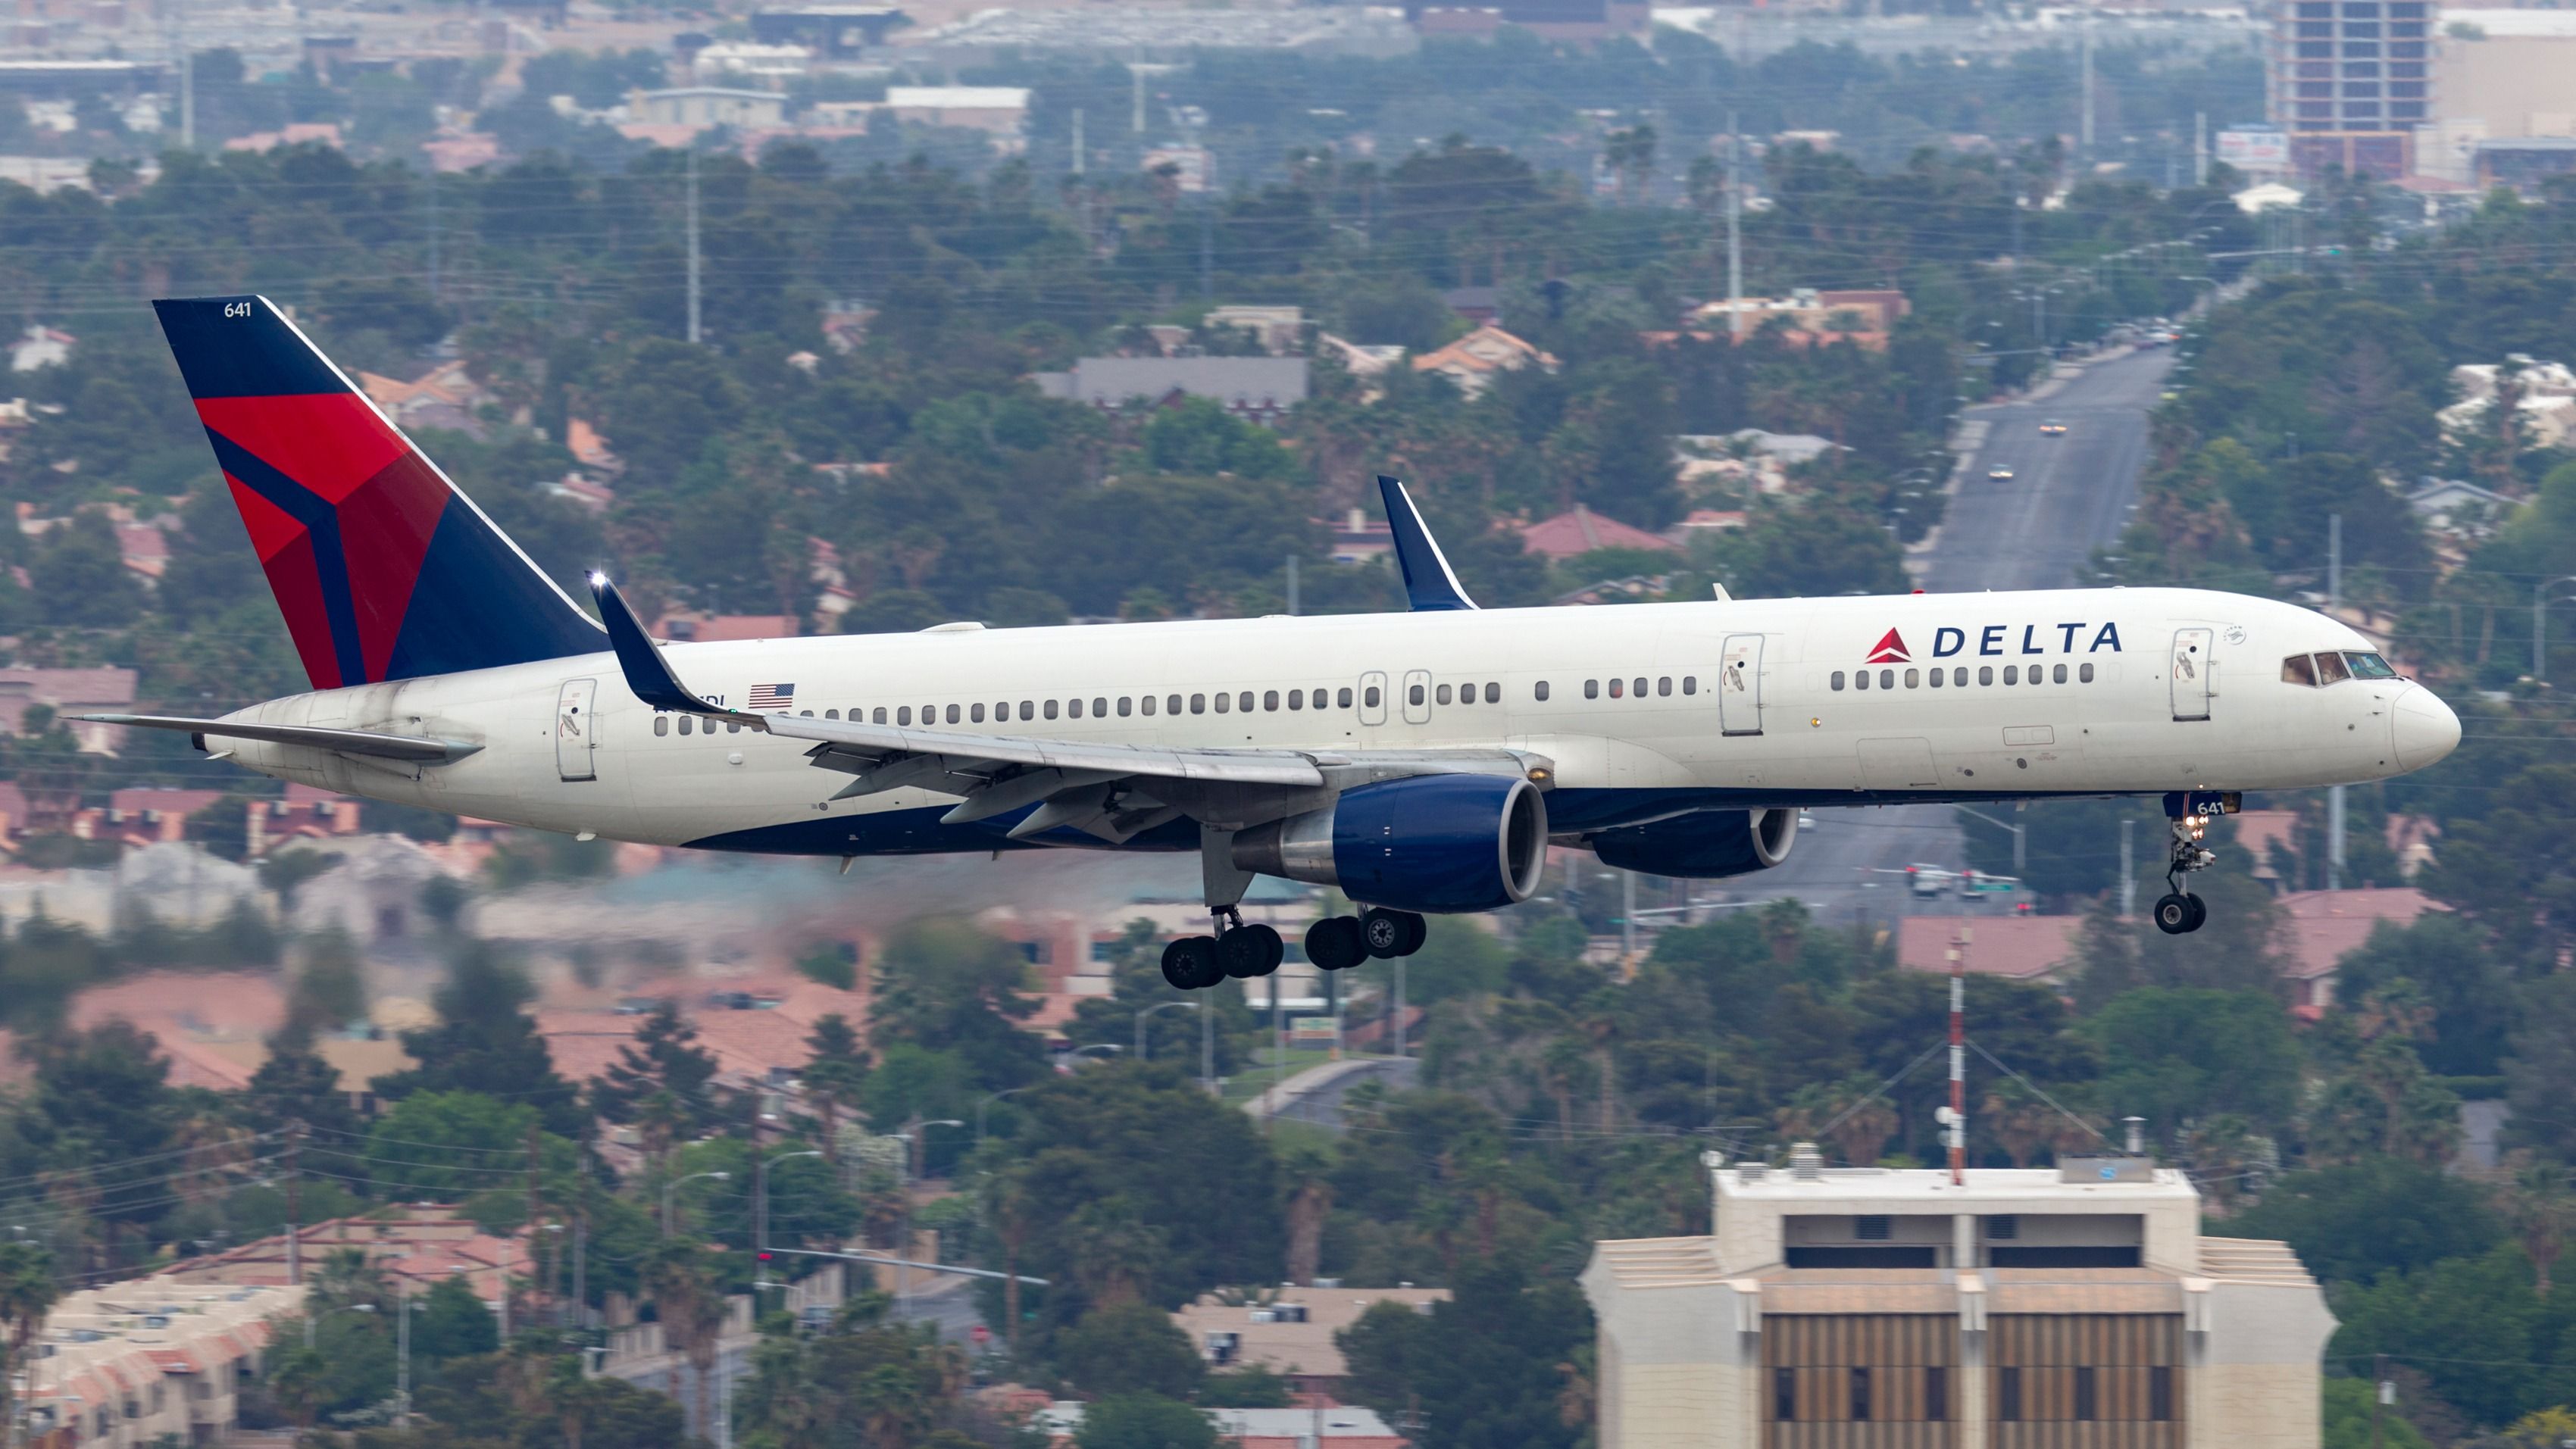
(2332, 670)
(2298, 669)
(2319, 669)
(2369, 666)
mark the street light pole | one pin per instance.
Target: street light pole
(760, 1197)
(2017, 834)
(914, 1140)
(314, 1320)
(987, 1102)
(2540, 602)
(403, 1305)
(1139, 1051)
(675, 1185)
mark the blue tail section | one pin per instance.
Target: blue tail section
(1430, 585)
(381, 567)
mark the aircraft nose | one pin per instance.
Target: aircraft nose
(2426, 729)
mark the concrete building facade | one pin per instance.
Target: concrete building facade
(2350, 82)
(1866, 1308)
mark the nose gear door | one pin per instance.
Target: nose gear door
(2191, 673)
(1739, 685)
(576, 735)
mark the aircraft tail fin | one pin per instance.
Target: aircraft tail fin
(1430, 585)
(383, 569)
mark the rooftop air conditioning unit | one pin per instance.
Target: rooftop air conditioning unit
(1805, 1163)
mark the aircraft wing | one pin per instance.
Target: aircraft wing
(413, 749)
(1108, 790)
(1430, 585)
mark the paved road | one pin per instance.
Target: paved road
(2069, 496)
(1320, 1099)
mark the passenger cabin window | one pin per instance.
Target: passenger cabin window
(879, 716)
(2012, 674)
(1860, 679)
(1100, 707)
(1494, 693)
(1837, 684)
(1073, 708)
(1618, 688)
(2057, 674)
(1913, 679)
(1592, 689)
(1050, 709)
(1224, 702)
(1342, 696)
(1664, 687)
(2084, 674)
(1413, 694)
(1438, 696)
(1937, 678)
(1690, 684)
(1641, 686)
(1243, 701)
(1172, 705)
(1126, 705)
(1198, 704)
(1269, 699)
(662, 725)
(1539, 691)
(1985, 674)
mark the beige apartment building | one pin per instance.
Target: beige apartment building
(2075, 1307)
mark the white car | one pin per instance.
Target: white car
(2000, 474)
(1926, 880)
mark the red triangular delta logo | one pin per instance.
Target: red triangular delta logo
(1890, 650)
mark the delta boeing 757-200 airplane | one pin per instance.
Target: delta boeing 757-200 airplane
(1419, 762)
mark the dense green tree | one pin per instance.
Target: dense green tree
(1143, 1420)
(2172, 1055)
(944, 986)
(1485, 1369)
(1129, 1348)
(485, 1043)
(2377, 1216)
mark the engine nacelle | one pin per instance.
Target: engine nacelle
(1441, 843)
(1703, 845)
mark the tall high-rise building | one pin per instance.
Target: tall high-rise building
(2351, 80)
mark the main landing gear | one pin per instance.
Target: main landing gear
(2179, 912)
(1194, 963)
(1337, 943)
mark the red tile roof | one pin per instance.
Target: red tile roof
(2326, 926)
(2021, 947)
(1568, 535)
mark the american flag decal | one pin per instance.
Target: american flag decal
(772, 696)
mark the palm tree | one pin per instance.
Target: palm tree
(2017, 1120)
(2541, 1211)
(1310, 1199)
(692, 1313)
(27, 1293)
(1867, 1121)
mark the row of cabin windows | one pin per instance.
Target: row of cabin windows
(1099, 707)
(1634, 688)
(1862, 1405)
(1268, 700)
(2038, 674)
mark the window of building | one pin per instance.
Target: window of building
(1784, 1395)
(1936, 1393)
(2084, 674)
(1870, 1228)
(1438, 696)
(1836, 683)
(662, 725)
(2008, 1395)
(2002, 1227)
(1860, 1405)
(2160, 1394)
(2085, 1406)
(1539, 691)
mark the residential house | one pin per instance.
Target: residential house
(1580, 531)
(1262, 389)
(443, 397)
(2453, 505)
(1279, 330)
(215, 1028)
(698, 108)
(417, 1251)
(143, 815)
(2020, 948)
(306, 813)
(589, 448)
(2544, 400)
(300, 133)
(999, 110)
(1472, 362)
(693, 626)
(2326, 926)
(148, 1361)
(373, 894)
(1368, 362)
(1291, 1331)
(107, 690)
(143, 549)
(1339, 1426)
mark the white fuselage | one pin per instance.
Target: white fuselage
(1740, 706)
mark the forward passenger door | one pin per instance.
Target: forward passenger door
(2191, 665)
(1739, 685)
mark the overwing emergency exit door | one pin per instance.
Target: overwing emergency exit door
(576, 739)
(2190, 672)
(1739, 685)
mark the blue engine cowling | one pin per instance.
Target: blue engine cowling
(1703, 845)
(1441, 843)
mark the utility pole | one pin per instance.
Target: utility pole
(693, 246)
(1292, 587)
(1397, 1023)
(433, 233)
(187, 78)
(1207, 1047)
(2128, 874)
(533, 1145)
(2085, 45)
(2382, 1393)
(1628, 919)
(1958, 1123)
(295, 1204)
(2200, 148)
(2334, 796)
(1077, 141)
(1734, 233)
(402, 1357)
(1207, 249)
(1136, 68)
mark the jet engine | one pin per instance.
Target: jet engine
(1442, 843)
(1703, 845)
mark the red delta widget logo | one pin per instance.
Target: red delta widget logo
(1997, 639)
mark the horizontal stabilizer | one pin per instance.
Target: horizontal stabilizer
(1430, 585)
(417, 749)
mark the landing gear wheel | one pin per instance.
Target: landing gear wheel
(1191, 963)
(1334, 944)
(1248, 951)
(2175, 915)
(1393, 933)
(2199, 911)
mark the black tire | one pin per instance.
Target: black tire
(1333, 944)
(2199, 911)
(1191, 963)
(1383, 934)
(2173, 914)
(1417, 931)
(1249, 951)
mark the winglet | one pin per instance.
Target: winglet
(648, 674)
(1430, 585)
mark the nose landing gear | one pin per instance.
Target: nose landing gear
(2179, 912)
